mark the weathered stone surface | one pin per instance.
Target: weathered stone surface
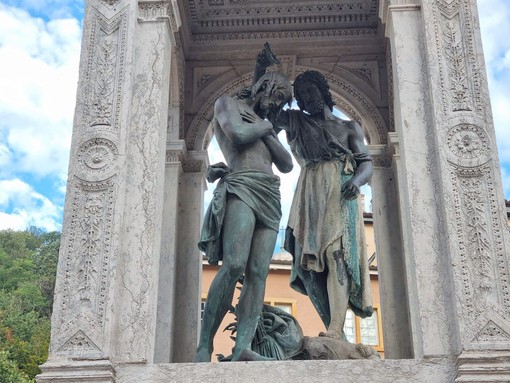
(386, 371)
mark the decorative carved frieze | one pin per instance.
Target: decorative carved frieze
(181, 64)
(174, 156)
(193, 166)
(449, 7)
(104, 72)
(104, 82)
(368, 71)
(152, 11)
(330, 34)
(478, 246)
(109, 3)
(389, 68)
(459, 72)
(491, 334)
(337, 9)
(382, 160)
(87, 251)
(79, 344)
(483, 265)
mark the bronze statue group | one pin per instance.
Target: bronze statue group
(324, 228)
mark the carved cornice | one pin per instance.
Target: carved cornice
(218, 20)
(329, 34)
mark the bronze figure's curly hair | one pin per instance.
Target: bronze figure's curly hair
(320, 81)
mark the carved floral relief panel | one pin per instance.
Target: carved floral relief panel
(482, 266)
(104, 74)
(458, 69)
(87, 254)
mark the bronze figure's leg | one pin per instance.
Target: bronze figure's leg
(338, 291)
(238, 227)
(252, 294)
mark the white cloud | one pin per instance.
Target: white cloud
(49, 8)
(38, 78)
(29, 208)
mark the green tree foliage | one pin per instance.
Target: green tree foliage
(9, 372)
(28, 262)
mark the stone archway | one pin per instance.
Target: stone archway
(438, 164)
(361, 101)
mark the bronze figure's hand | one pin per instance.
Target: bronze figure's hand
(266, 57)
(350, 190)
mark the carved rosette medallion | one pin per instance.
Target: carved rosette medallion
(97, 156)
(468, 145)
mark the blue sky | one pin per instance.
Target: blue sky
(39, 57)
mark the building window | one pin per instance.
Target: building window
(369, 330)
(287, 305)
(364, 330)
(202, 308)
(350, 326)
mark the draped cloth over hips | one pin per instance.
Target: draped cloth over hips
(260, 191)
(320, 220)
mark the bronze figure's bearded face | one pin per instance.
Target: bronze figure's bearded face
(311, 91)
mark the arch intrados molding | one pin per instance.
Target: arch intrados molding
(346, 96)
